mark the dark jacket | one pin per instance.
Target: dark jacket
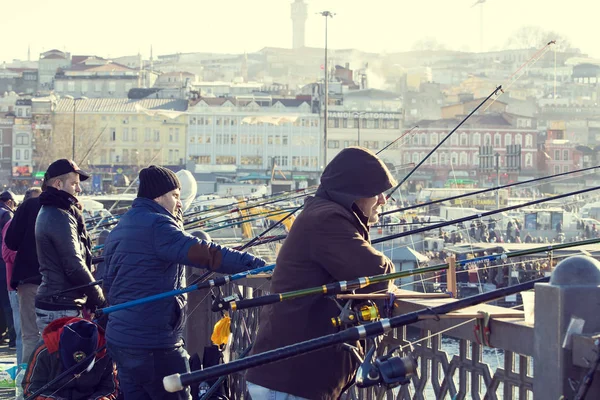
(20, 237)
(328, 242)
(6, 215)
(45, 364)
(64, 253)
(144, 256)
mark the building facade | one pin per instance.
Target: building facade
(121, 136)
(95, 77)
(22, 148)
(239, 135)
(7, 122)
(459, 157)
(49, 63)
(373, 130)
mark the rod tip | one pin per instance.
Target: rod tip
(172, 383)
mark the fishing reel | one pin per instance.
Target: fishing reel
(355, 313)
(219, 303)
(389, 370)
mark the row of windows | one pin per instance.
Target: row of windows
(233, 121)
(369, 144)
(137, 157)
(256, 140)
(150, 135)
(364, 123)
(84, 86)
(23, 139)
(474, 139)
(565, 155)
(18, 155)
(296, 161)
(455, 159)
(23, 111)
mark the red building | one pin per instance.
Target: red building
(458, 157)
(558, 154)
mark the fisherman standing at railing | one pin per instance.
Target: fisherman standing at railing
(63, 247)
(328, 242)
(26, 277)
(144, 256)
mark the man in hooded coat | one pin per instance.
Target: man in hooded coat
(328, 242)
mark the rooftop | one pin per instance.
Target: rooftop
(120, 105)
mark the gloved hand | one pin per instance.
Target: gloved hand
(236, 261)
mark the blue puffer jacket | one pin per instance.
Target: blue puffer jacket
(144, 255)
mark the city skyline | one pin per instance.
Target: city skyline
(126, 28)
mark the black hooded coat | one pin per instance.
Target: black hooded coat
(328, 242)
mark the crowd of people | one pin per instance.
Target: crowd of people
(54, 296)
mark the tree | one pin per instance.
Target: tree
(57, 142)
(527, 37)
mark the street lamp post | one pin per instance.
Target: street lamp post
(327, 15)
(74, 113)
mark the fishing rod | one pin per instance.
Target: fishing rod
(283, 194)
(87, 285)
(249, 244)
(398, 138)
(257, 237)
(453, 222)
(64, 374)
(481, 215)
(245, 218)
(487, 190)
(177, 382)
(359, 283)
(200, 222)
(219, 281)
(495, 91)
(265, 240)
(248, 207)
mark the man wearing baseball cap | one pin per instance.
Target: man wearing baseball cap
(63, 247)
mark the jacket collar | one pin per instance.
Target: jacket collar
(142, 202)
(3, 206)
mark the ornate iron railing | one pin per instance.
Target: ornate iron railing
(440, 375)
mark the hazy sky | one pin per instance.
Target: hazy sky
(114, 28)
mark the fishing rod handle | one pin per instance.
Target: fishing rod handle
(176, 382)
(145, 300)
(247, 303)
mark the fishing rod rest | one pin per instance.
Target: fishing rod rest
(177, 382)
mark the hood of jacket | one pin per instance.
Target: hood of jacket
(353, 174)
(52, 332)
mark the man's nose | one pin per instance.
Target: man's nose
(381, 199)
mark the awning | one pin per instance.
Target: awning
(254, 177)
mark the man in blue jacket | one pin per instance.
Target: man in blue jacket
(145, 255)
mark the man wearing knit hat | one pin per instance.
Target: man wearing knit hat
(145, 254)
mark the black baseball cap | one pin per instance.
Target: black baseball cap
(7, 195)
(64, 166)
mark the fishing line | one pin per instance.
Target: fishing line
(532, 60)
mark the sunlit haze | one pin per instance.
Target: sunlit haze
(116, 28)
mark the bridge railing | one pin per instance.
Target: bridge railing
(457, 374)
